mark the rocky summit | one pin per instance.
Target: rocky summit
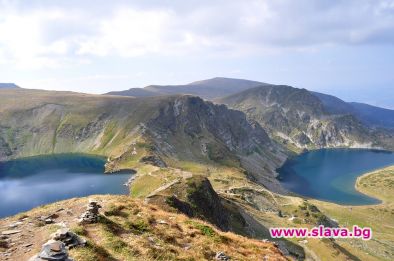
(299, 120)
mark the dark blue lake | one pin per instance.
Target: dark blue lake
(330, 174)
(30, 182)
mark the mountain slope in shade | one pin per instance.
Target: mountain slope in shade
(8, 86)
(370, 115)
(299, 119)
(207, 89)
(373, 115)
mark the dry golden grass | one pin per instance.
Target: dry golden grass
(132, 230)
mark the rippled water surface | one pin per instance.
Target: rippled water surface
(330, 174)
(30, 182)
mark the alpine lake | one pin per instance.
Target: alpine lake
(331, 174)
(30, 182)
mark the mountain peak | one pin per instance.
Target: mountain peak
(207, 89)
(226, 81)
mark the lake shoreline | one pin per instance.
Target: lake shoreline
(331, 175)
(50, 178)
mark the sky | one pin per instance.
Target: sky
(340, 47)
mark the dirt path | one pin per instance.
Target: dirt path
(19, 240)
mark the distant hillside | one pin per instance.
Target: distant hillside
(131, 131)
(8, 86)
(373, 115)
(207, 89)
(370, 115)
(219, 87)
(300, 119)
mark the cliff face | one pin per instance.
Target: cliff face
(299, 119)
(211, 129)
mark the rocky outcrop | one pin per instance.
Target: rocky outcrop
(299, 119)
(154, 160)
(201, 201)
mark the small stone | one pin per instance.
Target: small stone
(56, 246)
(53, 251)
(48, 221)
(10, 232)
(14, 225)
(222, 256)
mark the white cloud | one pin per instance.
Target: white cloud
(50, 35)
(129, 32)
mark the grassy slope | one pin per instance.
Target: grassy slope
(131, 230)
(380, 218)
(53, 122)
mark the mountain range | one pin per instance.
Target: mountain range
(206, 89)
(203, 149)
(220, 87)
(299, 118)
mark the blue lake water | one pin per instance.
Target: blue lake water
(330, 174)
(30, 182)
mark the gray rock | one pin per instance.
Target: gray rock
(10, 232)
(91, 214)
(52, 251)
(14, 225)
(222, 256)
(154, 160)
(69, 238)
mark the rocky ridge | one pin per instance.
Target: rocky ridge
(299, 120)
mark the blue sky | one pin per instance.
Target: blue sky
(340, 47)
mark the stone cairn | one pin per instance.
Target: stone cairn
(69, 238)
(91, 214)
(64, 239)
(52, 251)
(56, 248)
